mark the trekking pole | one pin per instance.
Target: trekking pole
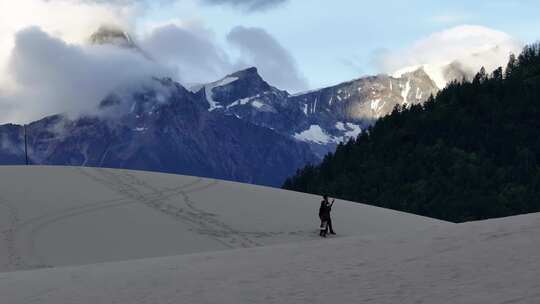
(25, 145)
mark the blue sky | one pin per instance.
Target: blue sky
(334, 41)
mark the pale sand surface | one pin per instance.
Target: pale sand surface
(61, 216)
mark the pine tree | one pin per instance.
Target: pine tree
(511, 66)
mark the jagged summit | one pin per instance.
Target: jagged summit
(250, 77)
(419, 72)
(323, 117)
(243, 84)
(250, 71)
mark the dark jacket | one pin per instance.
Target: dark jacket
(324, 210)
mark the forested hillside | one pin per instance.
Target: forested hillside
(470, 153)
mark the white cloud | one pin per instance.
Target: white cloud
(194, 52)
(472, 46)
(275, 63)
(190, 49)
(47, 66)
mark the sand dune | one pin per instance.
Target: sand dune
(492, 262)
(61, 216)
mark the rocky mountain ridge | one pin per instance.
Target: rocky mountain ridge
(323, 118)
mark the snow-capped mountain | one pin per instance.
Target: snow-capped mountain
(463, 67)
(323, 118)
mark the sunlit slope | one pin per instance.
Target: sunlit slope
(58, 216)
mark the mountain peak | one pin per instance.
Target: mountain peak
(248, 72)
(108, 34)
(419, 72)
(250, 77)
(238, 85)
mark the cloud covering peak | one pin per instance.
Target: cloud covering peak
(52, 76)
(56, 57)
(469, 46)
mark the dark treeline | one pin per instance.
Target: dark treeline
(470, 153)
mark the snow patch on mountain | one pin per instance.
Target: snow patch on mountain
(419, 94)
(304, 92)
(434, 71)
(353, 132)
(405, 92)
(305, 109)
(315, 134)
(257, 104)
(240, 102)
(375, 104)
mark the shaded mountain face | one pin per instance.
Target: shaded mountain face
(322, 118)
(12, 145)
(163, 127)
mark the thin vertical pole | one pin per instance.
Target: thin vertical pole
(25, 145)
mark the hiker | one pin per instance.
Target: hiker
(324, 215)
